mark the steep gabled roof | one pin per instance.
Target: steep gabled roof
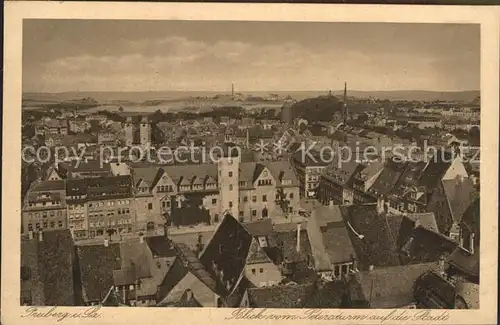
(460, 194)
(256, 254)
(464, 261)
(227, 251)
(160, 246)
(378, 245)
(435, 169)
(328, 295)
(189, 171)
(341, 172)
(145, 176)
(426, 220)
(50, 280)
(97, 263)
(246, 172)
(371, 170)
(391, 287)
(281, 296)
(282, 170)
(43, 186)
(385, 182)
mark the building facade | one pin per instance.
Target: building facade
(44, 207)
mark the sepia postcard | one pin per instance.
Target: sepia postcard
(207, 163)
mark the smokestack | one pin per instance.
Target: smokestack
(40, 235)
(298, 237)
(106, 242)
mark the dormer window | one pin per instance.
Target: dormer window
(468, 242)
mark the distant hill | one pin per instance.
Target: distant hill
(141, 96)
(316, 109)
(418, 95)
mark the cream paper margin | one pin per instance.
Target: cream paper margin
(16, 11)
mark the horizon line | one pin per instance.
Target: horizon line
(246, 91)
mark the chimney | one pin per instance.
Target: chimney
(298, 237)
(106, 242)
(380, 205)
(354, 264)
(30, 234)
(40, 235)
(441, 265)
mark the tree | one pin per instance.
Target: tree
(110, 232)
(475, 135)
(282, 201)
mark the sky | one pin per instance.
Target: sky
(120, 55)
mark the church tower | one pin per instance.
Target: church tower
(129, 132)
(228, 180)
(145, 132)
(345, 111)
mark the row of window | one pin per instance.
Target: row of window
(186, 188)
(264, 182)
(100, 232)
(109, 203)
(110, 213)
(76, 216)
(164, 188)
(45, 214)
(254, 271)
(314, 170)
(77, 225)
(34, 204)
(45, 225)
(102, 223)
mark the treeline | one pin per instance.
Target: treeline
(316, 109)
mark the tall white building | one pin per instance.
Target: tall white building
(145, 132)
(228, 168)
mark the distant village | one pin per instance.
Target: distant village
(261, 228)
